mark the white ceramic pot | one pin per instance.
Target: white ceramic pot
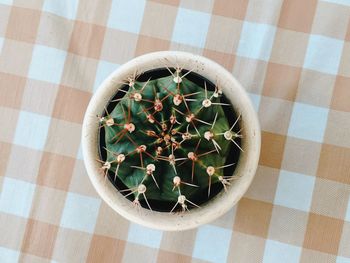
(245, 168)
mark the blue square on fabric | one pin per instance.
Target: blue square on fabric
(126, 15)
(347, 216)
(80, 153)
(276, 252)
(64, 8)
(256, 41)
(308, 122)
(1, 43)
(80, 212)
(255, 98)
(32, 130)
(323, 54)
(294, 190)
(8, 255)
(47, 64)
(6, 2)
(343, 260)
(191, 27)
(16, 197)
(212, 243)
(104, 69)
(144, 236)
(340, 2)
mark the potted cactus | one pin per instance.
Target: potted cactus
(171, 140)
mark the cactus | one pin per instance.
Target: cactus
(167, 139)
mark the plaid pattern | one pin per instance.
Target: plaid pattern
(292, 56)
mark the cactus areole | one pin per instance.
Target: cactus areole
(169, 140)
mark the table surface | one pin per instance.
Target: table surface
(292, 56)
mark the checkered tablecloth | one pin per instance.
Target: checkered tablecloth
(292, 56)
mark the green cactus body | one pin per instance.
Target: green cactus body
(166, 140)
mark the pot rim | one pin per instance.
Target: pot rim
(246, 166)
